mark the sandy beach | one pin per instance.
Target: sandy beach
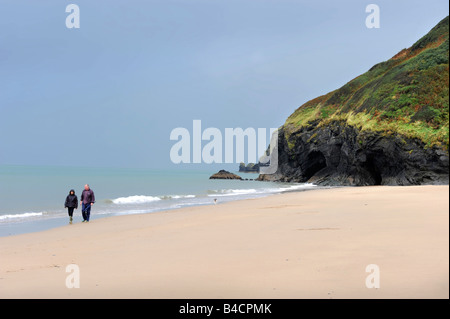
(313, 244)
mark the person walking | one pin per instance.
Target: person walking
(87, 200)
(71, 203)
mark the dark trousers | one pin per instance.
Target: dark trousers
(70, 211)
(86, 211)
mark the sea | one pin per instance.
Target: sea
(32, 197)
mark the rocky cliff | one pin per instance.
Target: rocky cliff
(388, 126)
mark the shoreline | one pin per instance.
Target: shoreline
(39, 225)
(308, 244)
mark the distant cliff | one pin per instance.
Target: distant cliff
(250, 168)
(388, 126)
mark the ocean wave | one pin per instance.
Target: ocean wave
(20, 216)
(176, 196)
(232, 192)
(294, 187)
(259, 191)
(143, 199)
(135, 199)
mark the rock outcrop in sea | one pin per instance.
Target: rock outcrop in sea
(223, 174)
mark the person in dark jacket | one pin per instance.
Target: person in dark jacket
(87, 200)
(71, 203)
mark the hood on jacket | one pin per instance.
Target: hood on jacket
(72, 190)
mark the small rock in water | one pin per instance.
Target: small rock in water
(223, 174)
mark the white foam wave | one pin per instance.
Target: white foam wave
(251, 191)
(234, 192)
(142, 199)
(135, 199)
(294, 187)
(177, 196)
(19, 216)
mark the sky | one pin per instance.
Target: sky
(108, 94)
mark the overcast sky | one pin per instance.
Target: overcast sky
(110, 92)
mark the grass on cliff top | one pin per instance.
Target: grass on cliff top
(366, 122)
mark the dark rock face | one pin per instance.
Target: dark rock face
(223, 174)
(339, 154)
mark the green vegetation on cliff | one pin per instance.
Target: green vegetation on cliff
(406, 95)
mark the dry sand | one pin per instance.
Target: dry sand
(313, 244)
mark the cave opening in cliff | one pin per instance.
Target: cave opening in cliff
(372, 165)
(314, 163)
